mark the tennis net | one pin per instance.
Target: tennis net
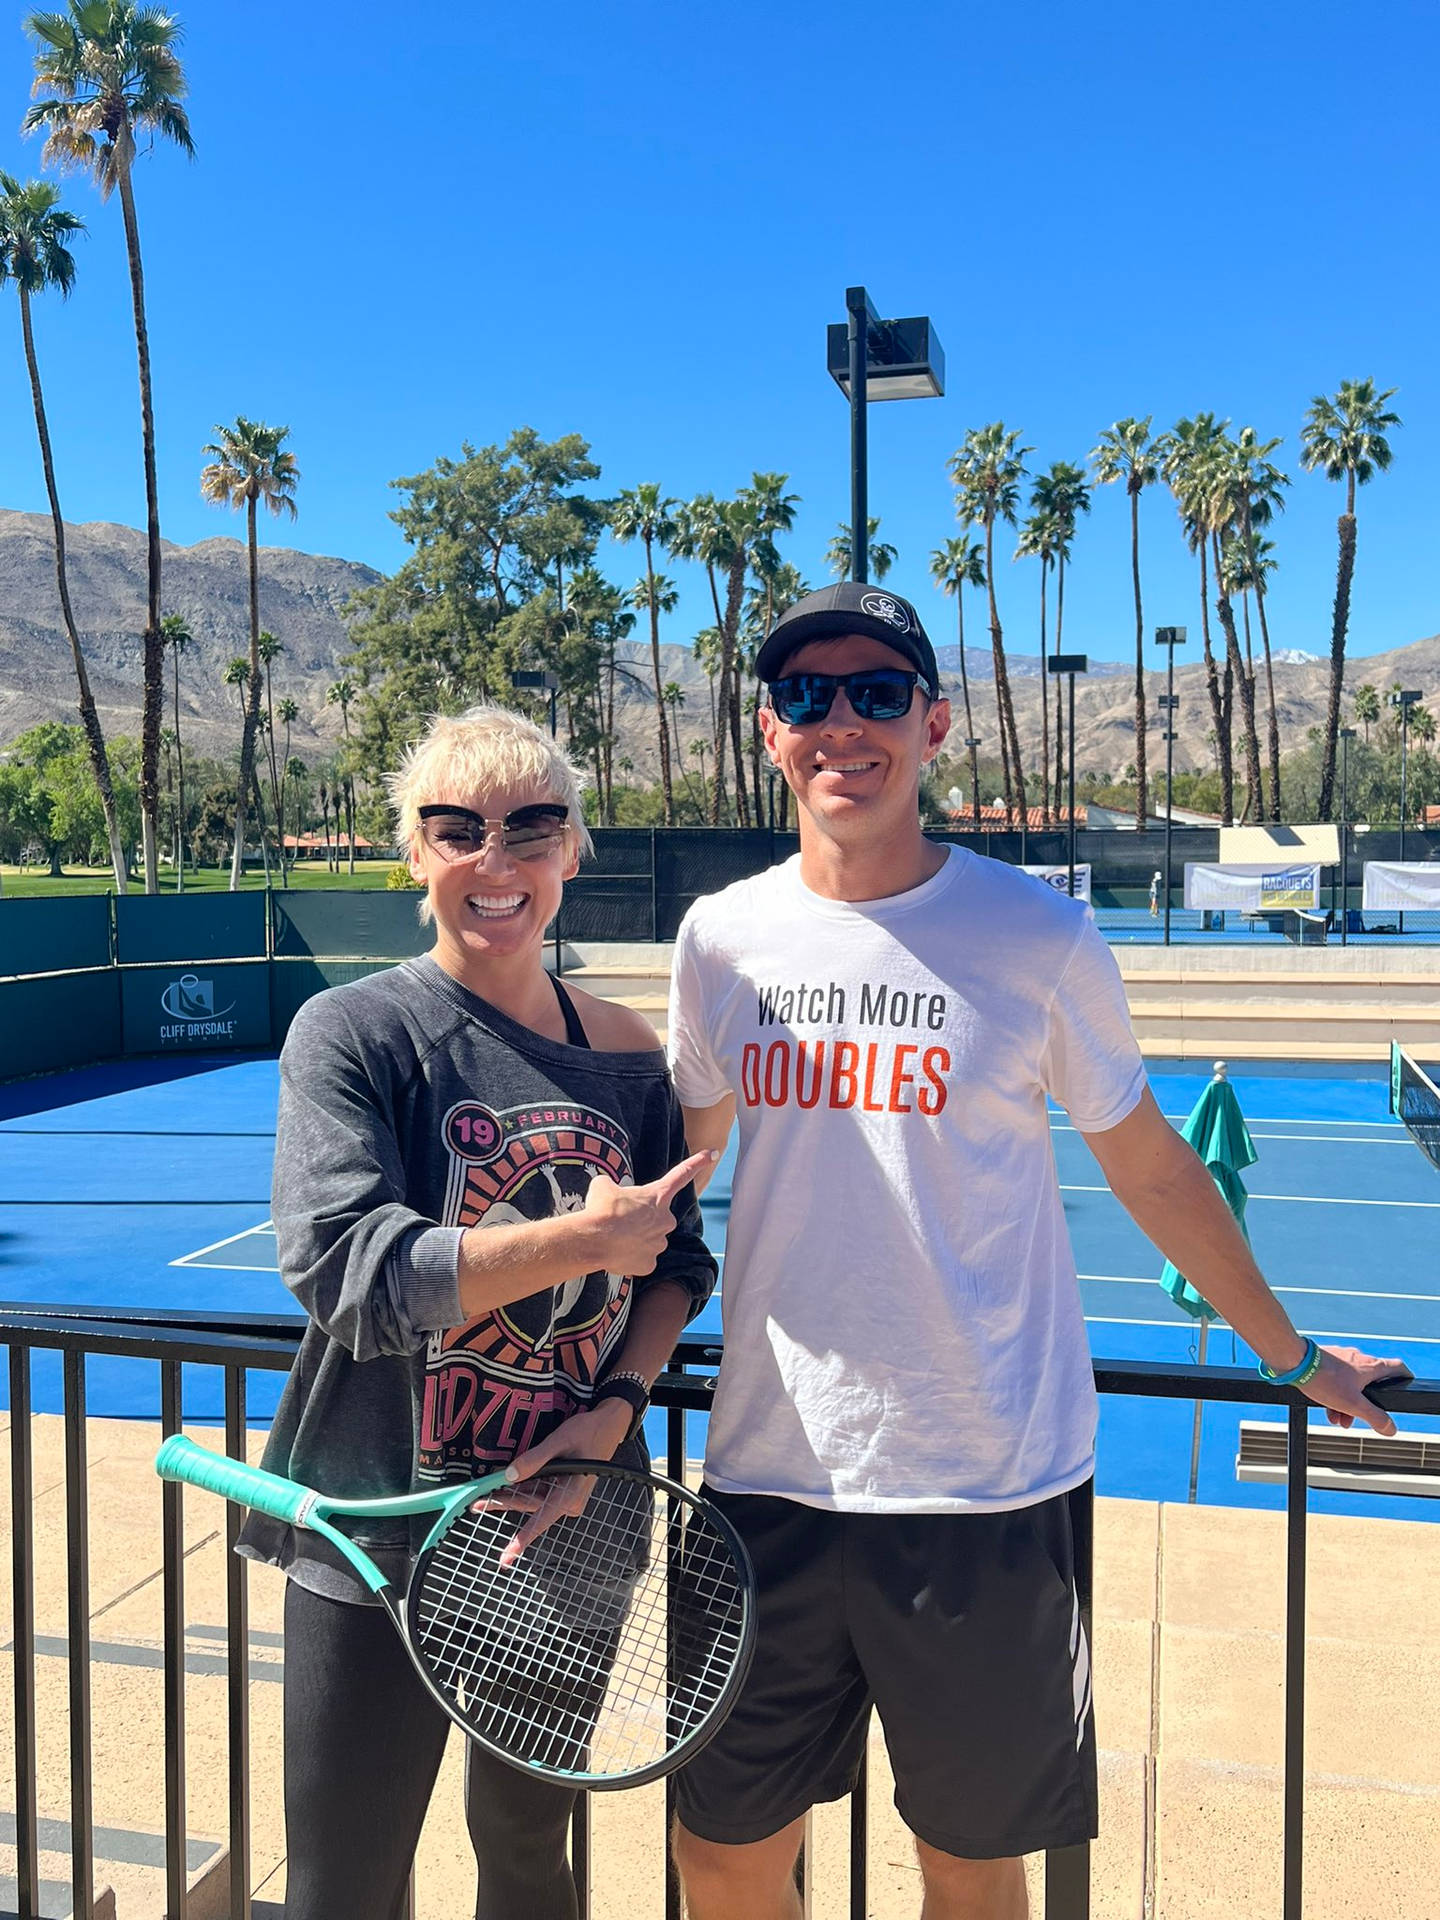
(1415, 1099)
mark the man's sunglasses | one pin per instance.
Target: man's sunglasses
(879, 693)
(459, 833)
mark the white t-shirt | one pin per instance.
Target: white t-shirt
(903, 1329)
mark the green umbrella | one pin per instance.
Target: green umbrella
(1217, 1131)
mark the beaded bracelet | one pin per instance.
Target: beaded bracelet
(1306, 1370)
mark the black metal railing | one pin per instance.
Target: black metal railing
(239, 1344)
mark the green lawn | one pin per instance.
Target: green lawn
(35, 884)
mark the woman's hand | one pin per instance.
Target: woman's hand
(593, 1434)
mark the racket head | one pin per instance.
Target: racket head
(610, 1651)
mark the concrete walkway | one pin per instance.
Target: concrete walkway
(1189, 1652)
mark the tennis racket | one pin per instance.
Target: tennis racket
(603, 1655)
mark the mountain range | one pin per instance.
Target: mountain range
(302, 596)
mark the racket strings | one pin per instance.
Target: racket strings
(602, 1648)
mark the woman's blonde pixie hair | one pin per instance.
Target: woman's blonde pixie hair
(461, 757)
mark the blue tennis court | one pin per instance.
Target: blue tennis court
(147, 1185)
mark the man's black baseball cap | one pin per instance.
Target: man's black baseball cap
(850, 607)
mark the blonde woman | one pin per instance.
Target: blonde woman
(483, 1202)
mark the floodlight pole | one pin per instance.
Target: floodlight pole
(1070, 664)
(1347, 734)
(859, 314)
(1169, 638)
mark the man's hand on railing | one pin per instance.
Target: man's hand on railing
(1340, 1385)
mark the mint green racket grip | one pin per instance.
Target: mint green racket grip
(181, 1459)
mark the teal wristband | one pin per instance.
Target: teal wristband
(1298, 1376)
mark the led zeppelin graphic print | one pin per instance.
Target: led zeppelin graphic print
(501, 1382)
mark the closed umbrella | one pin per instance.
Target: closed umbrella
(1217, 1131)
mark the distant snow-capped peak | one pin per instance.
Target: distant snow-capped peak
(1294, 657)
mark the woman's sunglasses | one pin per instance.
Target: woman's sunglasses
(459, 833)
(880, 693)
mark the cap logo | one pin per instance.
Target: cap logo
(881, 607)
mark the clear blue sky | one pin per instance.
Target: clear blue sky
(402, 231)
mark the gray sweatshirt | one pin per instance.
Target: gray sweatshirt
(409, 1111)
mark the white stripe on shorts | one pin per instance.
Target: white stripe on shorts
(1079, 1669)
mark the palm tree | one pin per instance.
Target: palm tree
(642, 513)
(1259, 490)
(700, 534)
(1126, 452)
(1061, 492)
(324, 795)
(960, 563)
(237, 675)
(881, 554)
(249, 464)
(987, 472)
(105, 70)
(1345, 438)
(773, 513)
(340, 693)
(1186, 456)
(1366, 702)
(178, 637)
(34, 255)
(1041, 538)
(270, 651)
(1224, 502)
(288, 713)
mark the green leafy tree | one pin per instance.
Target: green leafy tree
(700, 534)
(249, 463)
(105, 72)
(987, 471)
(35, 258)
(1125, 454)
(1345, 438)
(960, 563)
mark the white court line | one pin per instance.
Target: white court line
(1409, 1339)
(193, 1259)
(1325, 1139)
(1305, 1199)
(1335, 1293)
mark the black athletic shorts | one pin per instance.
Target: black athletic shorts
(962, 1629)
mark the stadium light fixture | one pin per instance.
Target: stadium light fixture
(873, 359)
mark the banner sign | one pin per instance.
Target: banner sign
(195, 1009)
(1389, 884)
(1059, 879)
(1251, 889)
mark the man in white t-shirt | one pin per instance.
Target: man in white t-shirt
(906, 1408)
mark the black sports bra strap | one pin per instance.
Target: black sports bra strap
(574, 1032)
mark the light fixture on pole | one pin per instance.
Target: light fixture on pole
(874, 359)
(974, 746)
(1347, 734)
(525, 681)
(1169, 638)
(1070, 664)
